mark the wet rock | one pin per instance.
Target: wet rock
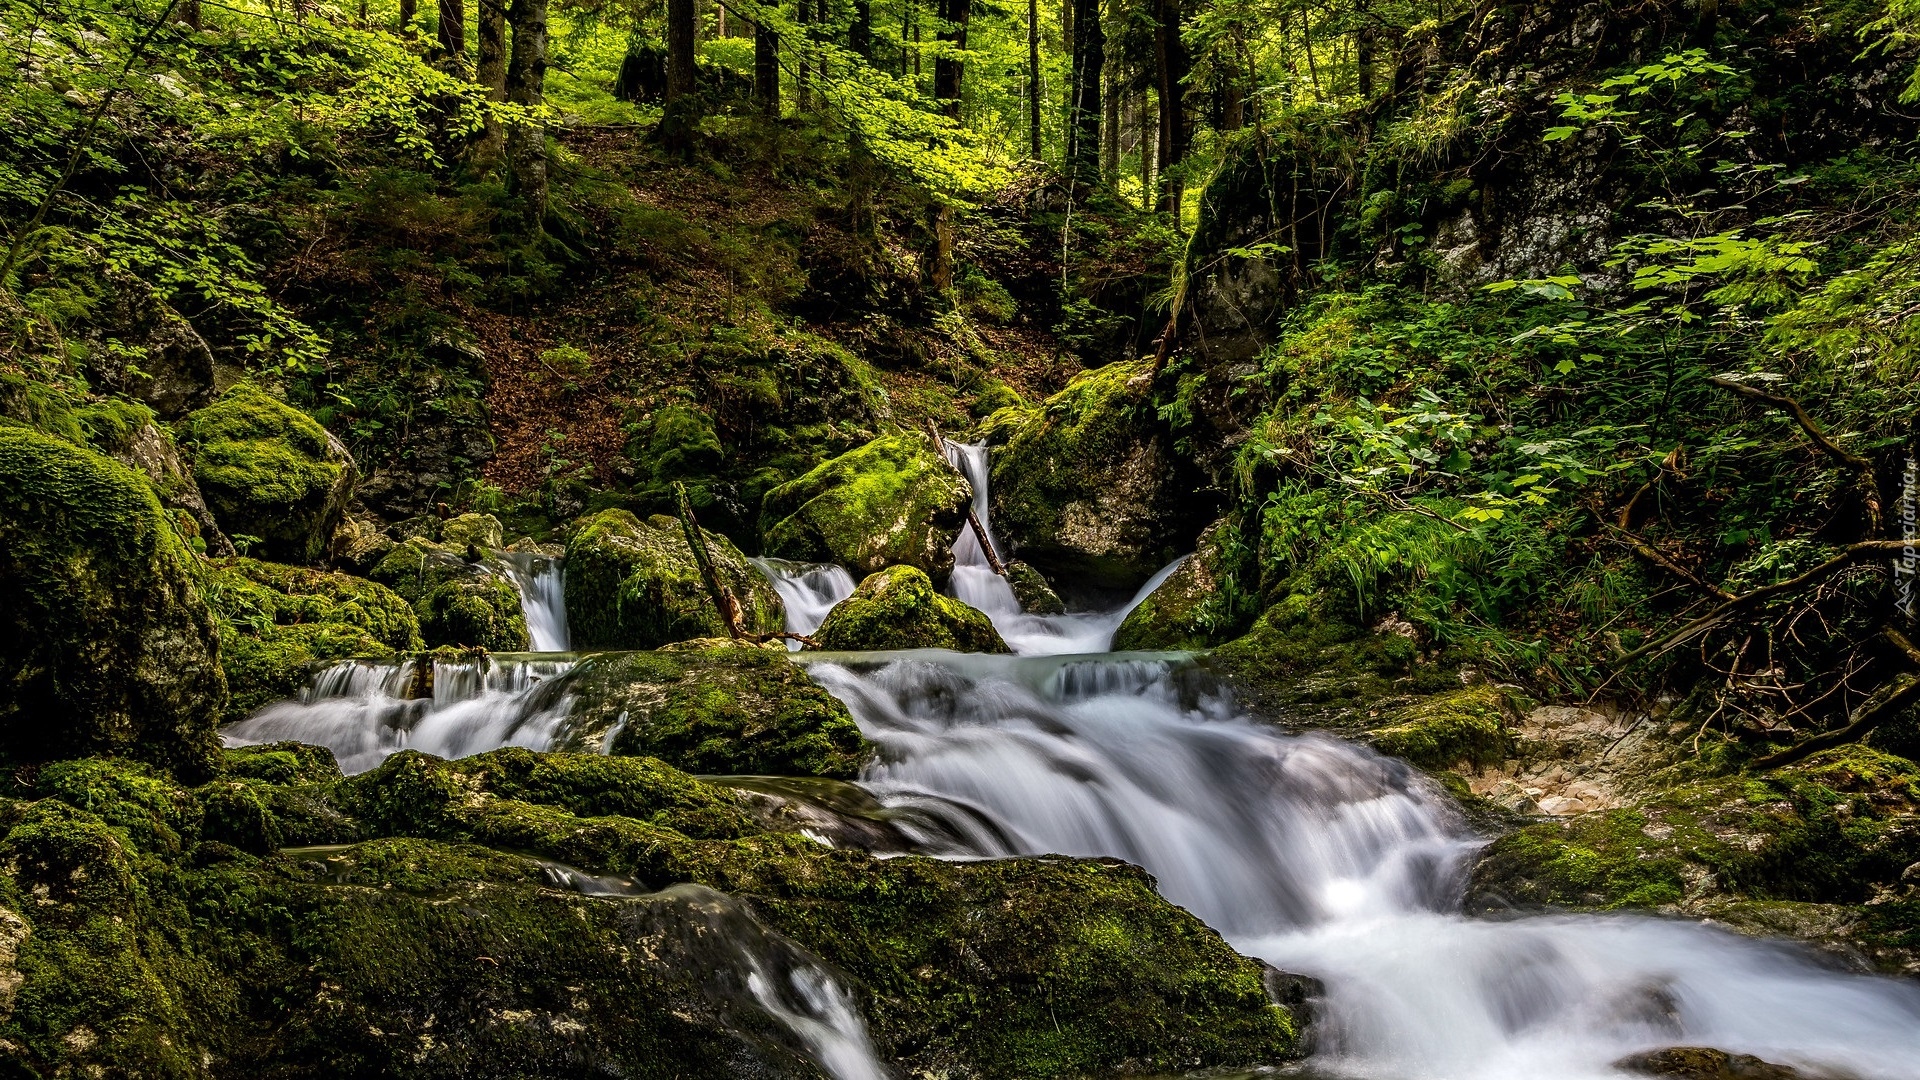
(460, 589)
(106, 642)
(1086, 486)
(1031, 589)
(277, 623)
(725, 710)
(893, 501)
(633, 584)
(1188, 610)
(1468, 726)
(898, 608)
(1703, 1063)
(270, 472)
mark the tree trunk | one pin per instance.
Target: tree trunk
(1033, 75)
(453, 27)
(680, 28)
(860, 34)
(490, 71)
(1149, 132)
(1173, 64)
(802, 98)
(766, 69)
(406, 18)
(1363, 49)
(1083, 104)
(189, 14)
(526, 85)
(949, 70)
(1110, 143)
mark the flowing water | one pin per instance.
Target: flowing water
(542, 599)
(1314, 854)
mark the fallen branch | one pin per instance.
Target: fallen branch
(1846, 457)
(1653, 555)
(724, 603)
(1901, 691)
(1849, 556)
(973, 518)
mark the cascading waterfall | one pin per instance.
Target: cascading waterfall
(974, 582)
(809, 591)
(365, 712)
(542, 598)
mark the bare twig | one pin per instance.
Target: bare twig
(1901, 691)
(1846, 457)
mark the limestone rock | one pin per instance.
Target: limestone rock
(106, 644)
(271, 472)
(899, 609)
(462, 592)
(633, 584)
(141, 347)
(1187, 611)
(893, 501)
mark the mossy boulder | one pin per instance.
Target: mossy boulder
(1465, 727)
(633, 584)
(1086, 486)
(1030, 587)
(1837, 828)
(460, 590)
(1296, 662)
(737, 710)
(270, 471)
(277, 623)
(106, 642)
(898, 608)
(893, 501)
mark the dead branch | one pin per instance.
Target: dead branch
(724, 603)
(1653, 555)
(973, 518)
(1901, 691)
(1846, 457)
(1849, 556)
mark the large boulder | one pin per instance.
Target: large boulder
(1192, 608)
(1087, 487)
(139, 346)
(893, 501)
(633, 584)
(277, 623)
(270, 472)
(459, 586)
(898, 608)
(106, 644)
(719, 709)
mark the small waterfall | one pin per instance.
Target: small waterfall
(809, 591)
(542, 598)
(1325, 858)
(974, 582)
(365, 712)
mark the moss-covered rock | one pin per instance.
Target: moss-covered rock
(736, 710)
(129, 434)
(1191, 609)
(271, 472)
(898, 608)
(893, 501)
(1836, 828)
(277, 623)
(460, 591)
(106, 643)
(1030, 587)
(633, 584)
(1296, 663)
(1087, 485)
(1467, 726)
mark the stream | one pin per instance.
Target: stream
(1319, 856)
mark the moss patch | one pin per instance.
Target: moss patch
(1467, 726)
(899, 609)
(106, 644)
(894, 500)
(459, 590)
(633, 584)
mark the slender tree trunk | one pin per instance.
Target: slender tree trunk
(1173, 62)
(1363, 49)
(1083, 107)
(948, 71)
(490, 71)
(189, 14)
(1033, 76)
(453, 27)
(720, 20)
(766, 69)
(860, 34)
(1149, 133)
(526, 85)
(802, 98)
(406, 18)
(680, 37)
(1110, 143)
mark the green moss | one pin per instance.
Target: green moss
(1466, 726)
(460, 593)
(681, 443)
(633, 584)
(1031, 589)
(1295, 661)
(728, 710)
(899, 609)
(279, 622)
(268, 470)
(106, 644)
(893, 501)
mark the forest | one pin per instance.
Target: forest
(959, 539)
